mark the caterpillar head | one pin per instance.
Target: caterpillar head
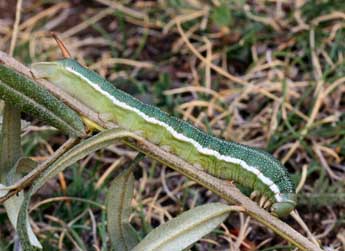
(284, 207)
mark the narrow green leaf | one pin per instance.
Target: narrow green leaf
(29, 97)
(9, 143)
(122, 235)
(187, 228)
(9, 158)
(13, 206)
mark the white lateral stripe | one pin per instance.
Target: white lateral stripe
(265, 180)
(257, 172)
(274, 188)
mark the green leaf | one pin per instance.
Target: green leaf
(9, 159)
(221, 15)
(10, 143)
(29, 97)
(122, 235)
(13, 206)
(187, 228)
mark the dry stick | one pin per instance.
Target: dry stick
(228, 192)
(15, 27)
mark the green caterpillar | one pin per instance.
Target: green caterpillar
(249, 167)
